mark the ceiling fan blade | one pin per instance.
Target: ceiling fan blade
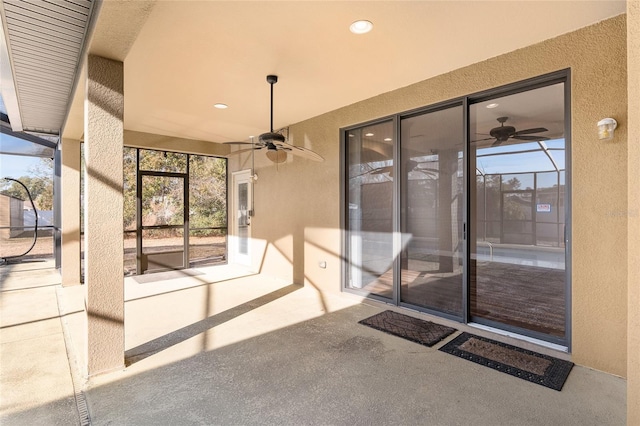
(481, 140)
(428, 173)
(497, 143)
(237, 143)
(427, 170)
(382, 170)
(241, 151)
(298, 150)
(530, 138)
(529, 131)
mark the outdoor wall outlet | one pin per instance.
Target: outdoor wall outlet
(323, 264)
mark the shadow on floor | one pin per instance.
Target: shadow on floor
(332, 370)
(154, 346)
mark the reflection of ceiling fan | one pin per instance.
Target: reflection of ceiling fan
(411, 166)
(274, 142)
(503, 133)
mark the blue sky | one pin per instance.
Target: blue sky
(534, 161)
(16, 165)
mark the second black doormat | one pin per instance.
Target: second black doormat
(531, 366)
(424, 332)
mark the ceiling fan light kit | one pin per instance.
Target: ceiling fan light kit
(277, 156)
(274, 142)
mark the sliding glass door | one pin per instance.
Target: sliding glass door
(370, 213)
(517, 277)
(432, 201)
(459, 209)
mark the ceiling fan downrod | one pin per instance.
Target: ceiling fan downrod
(272, 79)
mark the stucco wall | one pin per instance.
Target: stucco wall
(170, 143)
(103, 245)
(297, 203)
(633, 363)
(70, 250)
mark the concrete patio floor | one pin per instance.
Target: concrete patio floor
(221, 346)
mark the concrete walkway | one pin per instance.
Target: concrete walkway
(36, 387)
(220, 346)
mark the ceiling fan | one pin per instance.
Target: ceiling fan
(274, 142)
(502, 133)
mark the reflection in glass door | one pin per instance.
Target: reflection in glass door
(370, 188)
(517, 273)
(432, 210)
(517, 217)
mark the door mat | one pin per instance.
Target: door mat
(424, 332)
(531, 366)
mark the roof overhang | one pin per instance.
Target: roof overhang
(42, 48)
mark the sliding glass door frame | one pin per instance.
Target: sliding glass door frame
(562, 76)
(344, 211)
(457, 102)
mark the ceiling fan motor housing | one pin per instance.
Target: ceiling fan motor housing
(502, 133)
(271, 137)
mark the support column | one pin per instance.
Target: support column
(103, 204)
(633, 278)
(70, 207)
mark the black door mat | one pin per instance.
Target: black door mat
(424, 332)
(531, 366)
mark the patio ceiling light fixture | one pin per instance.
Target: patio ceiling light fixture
(606, 128)
(361, 27)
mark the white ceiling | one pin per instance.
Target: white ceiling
(189, 55)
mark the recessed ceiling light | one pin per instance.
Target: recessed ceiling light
(368, 134)
(388, 139)
(221, 106)
(361, 27)
(492, 105)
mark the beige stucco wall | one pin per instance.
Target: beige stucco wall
(103, 218)
(170, 143)
(298, 203)
(633, 345)
(70, 249)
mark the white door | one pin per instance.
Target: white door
(240, 240)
